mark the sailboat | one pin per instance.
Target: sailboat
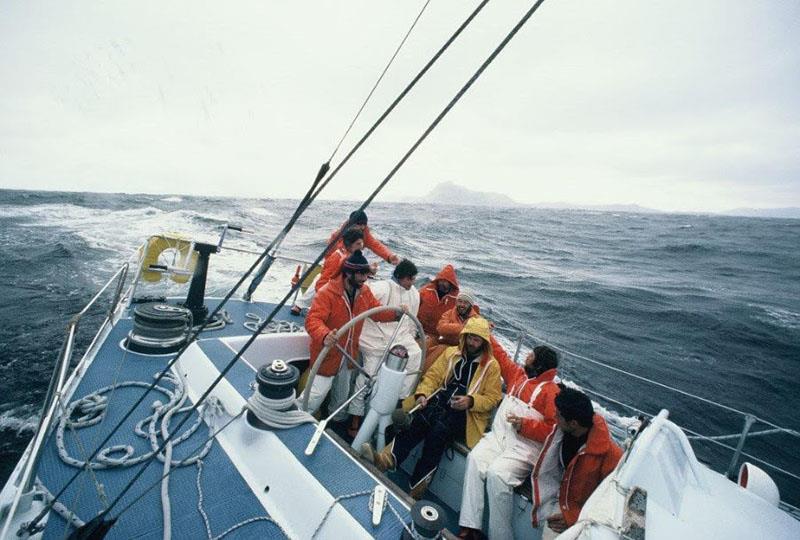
(185, 418)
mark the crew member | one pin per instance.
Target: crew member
(468, 377)
(503, 458)
(375, 336)
(334, 305)
(577, 454)
(358, 219)
(437, 297)
(450, 324)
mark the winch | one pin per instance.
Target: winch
(159, 328)
(275, 384)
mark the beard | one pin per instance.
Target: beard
(354, 283)
(533, 370)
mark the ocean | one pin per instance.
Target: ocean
(706, 304)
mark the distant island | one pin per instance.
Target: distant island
(450, 193)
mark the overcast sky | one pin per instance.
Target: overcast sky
(677, 105)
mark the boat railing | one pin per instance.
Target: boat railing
(58, 379)
(276, 256)
(748, 419)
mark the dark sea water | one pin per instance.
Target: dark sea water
(710, 305)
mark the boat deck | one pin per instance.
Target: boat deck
(229, 484)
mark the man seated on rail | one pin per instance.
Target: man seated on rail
(437, 297)
(577, 454)
(466, 382)
(504, 456)
(341, 300)
(375, 336)
(448, 328)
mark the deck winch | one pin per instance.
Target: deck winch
(272, 405)
(159, 328)
(427, 520)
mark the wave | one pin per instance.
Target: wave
(18, 424)
(174, 199)
(691, 248)
(782, 318)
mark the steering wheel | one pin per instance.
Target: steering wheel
(346, 328)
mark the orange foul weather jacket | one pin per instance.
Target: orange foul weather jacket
(594, 461)
(431, 307)
(450, 325)
(370, 242)
(331, 309)
(331, 268)
(522, 387)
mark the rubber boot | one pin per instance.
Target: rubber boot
(383, 460)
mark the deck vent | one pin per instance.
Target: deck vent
(159, 328)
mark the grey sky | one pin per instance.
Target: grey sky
(687, 105)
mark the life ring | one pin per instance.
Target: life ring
(184, 257)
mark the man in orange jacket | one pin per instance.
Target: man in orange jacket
(437, 297)
(358, 220)
(577, 455)
(334, 305)
(450, 324)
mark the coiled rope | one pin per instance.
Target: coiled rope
(91, 409)
(278, 413)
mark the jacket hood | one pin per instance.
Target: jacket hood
(480, 327)
(599, 440)
(448, 273)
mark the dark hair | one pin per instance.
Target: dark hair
(358, 217)
(575, 405)
(351, 236)
(405, 268)
(546, 357)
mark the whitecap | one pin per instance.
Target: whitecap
(780, 317)
(18, 424)
(174, 199)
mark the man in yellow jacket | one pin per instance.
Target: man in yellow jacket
(468, 379)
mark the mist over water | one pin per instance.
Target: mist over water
(708, 304)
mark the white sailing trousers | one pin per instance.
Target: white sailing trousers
(502, 459)
(339, 387)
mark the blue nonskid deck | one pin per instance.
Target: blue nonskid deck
(227, 502)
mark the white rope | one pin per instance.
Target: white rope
(334, 502)
(278, 413)
(91, 410)
(59, 508)
(232, 528)
(274, 327)
(223, 319)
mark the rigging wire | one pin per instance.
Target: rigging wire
(364, 205)
(789, 431)
(314, 191)
(380, 78)
(265, 267)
